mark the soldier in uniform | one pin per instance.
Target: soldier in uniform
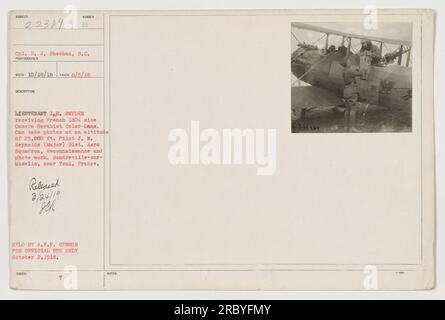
(369, 55)
(350, 95)
(371, 50)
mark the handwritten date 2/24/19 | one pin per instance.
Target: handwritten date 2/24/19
(45, 194)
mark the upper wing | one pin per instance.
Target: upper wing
(367, 36)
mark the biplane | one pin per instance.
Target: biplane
(386, 89)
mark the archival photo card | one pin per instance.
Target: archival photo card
(210, 150)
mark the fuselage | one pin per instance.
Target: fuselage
(388, 86)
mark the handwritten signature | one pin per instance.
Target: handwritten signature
(45, 194)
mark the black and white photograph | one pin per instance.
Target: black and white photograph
(351, 77)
